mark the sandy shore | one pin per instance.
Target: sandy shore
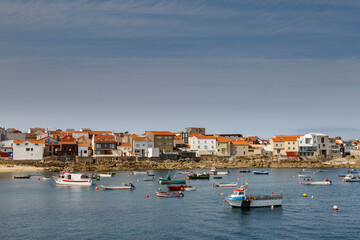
(17, 168)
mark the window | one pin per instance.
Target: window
(323, 145)
(278, 151)
(36, 144)
(293, 148)
(159, 143)
(85, 151)
(18, 144)
(98, 138)
(276, 144)
(98, 146)
(158, 137)
(293, 143)
(137, 145)
(288, 148)
(104, 139)
(205, 147)
(111, 139)
(28, 149)
(165, 137)
(198, 147)
(322, 140)
(98, 152)
(170, 137)
(26, 144)
(205, 141)
(307, 140)
(111, 145)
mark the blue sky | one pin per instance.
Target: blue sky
(253, 67)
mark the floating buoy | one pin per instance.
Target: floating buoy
(97, 188)
(147, 196)
(238, 179)
(343, 180)
(159, 189)
(242, 175)
(239, 171)
(314, 173)
(224, 200)
(39, 179)
(281, 193)
(312, 196)
(188, 178)
(272, 192)
(335, 208)
(222, 194)
(272, 207)
(181, 189)
(304, 195)
(300, 183)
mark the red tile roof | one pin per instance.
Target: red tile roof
(205, 137)
(239, 142)
(31, 141)
(125, 144)
(104, 138)
(167, 133)
(223, 140)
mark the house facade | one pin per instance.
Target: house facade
(278, 146)
(223, 146)
(28, 150)
(140, 146)
(203, 145)
(68, 147)
(313, 145)
(103, 144)
(239, 148)
(164, 140)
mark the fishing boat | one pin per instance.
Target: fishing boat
(239, 199)
(351, 178)
(353, 171)
(168, 180)
(326, 181)
(214, 171)
(199, 176)
(261, 172)
(217, 177)
(106, 174)
(149, 178)
(232, 184)
(22, 177)
(178, 188)
(127, 186)
(169, 194)
(78, 179)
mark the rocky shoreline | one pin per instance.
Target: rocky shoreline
(186, 164)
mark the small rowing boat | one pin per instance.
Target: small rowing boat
(232, 184)
(245, 171)
(106, 174)
(149, 178)
(304, 175)
(217, 177)
(178, 188)
(169, 194)
(353, 171)
(127, 186)
(323, 170)
(326, 181)
(261, 172)
(22, 177)
(342, 175)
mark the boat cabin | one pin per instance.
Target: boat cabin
(75, 176)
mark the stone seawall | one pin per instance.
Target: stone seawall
(205, 162)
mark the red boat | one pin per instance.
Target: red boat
(178, 188)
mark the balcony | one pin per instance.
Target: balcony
(307, 149)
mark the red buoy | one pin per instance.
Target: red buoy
(39, 179)
(147, 196)
(97, 188)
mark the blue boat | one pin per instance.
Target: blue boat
(261, 172)
(168, 180)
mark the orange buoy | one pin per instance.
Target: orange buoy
(335, 208)
(222, 194)
(97, 188)
(147, 196)
(300, 183)
(188, 178)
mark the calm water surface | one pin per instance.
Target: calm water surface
(32, 209)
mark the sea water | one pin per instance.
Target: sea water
(33, 209)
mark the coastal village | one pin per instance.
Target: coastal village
(191, 143)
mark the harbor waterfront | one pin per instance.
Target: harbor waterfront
(40, 209)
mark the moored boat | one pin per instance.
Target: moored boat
(22, 177)
(168, 180)
(78, 179)
(178, 188)
(342, 175)
(304, 175)
(106, 174)
(232, 184)
(326, 181)
(149, 178)
(353, 171)
(140, 172)
(214, 171)
(169, 194)
(261, 172)
(239, 199)
(199, 176)
(127, 186)
(351, 178)
(244, 171)
(217, 177)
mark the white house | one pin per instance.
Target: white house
(203, 145)
(83, 150)
(140, 146)
(28, 150)
(314, 144)
(7, 145)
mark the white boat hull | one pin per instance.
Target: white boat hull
(254, 203)
(190, 189)
(62, 181)
(318, 183)
(222, 173)
(104, 175)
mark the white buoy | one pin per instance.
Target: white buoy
(272, 207)
(312, 196)
(335, 208)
